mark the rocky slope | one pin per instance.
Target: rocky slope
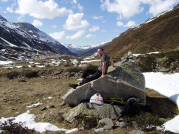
(24, 37)
(159, 33)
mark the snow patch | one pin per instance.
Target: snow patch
(10, 44)
(27, 120)
(166, 84)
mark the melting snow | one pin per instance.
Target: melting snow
(10, 44)
(166, 84)
(146, 53)
(5, 62)
(35, 105)
(28, 120)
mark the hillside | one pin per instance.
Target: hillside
(159, 34)
(17, 38)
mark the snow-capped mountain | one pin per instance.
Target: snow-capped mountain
(82, 50)
(24, 37)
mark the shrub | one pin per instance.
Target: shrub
(31, 74)
(144, 122)
(12, 75)
(14, 128)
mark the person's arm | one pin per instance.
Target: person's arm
(103, 69)
(112, 63)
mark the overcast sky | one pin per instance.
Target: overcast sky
(83, 22)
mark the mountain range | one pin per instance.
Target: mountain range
(157, 34)
(82, 50)
(18, 38)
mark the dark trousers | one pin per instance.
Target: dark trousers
(94, 75)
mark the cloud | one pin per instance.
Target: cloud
(119, 17)
(20, 18)
(130, 24)
(128, 8)
(77, 35)
(75, 1)
(159, 6)
(119, 23)
(89, 36)
(41, 10)
(94, 28)
(9, 9)
(75, 22)
(37, 23)
(80, 8)
(97, 17)
(57, 35)
(54, 26)
(4, 0)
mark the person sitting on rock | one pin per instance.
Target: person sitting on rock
(95, 73)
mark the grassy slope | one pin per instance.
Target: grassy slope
(158, 35)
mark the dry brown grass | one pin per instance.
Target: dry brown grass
(15, 96)
(158, 35)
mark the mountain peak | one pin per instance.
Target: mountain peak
(2, 18)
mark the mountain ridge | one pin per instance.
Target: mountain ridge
(159, 34)
(83, 50)
(27, 38)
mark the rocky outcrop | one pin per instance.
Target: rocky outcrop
(124, 82)
(88, 110)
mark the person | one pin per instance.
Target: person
(95, 73)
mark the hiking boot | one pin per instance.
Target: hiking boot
(73, 85)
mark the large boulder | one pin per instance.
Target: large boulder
(124, 81)
(88, 111)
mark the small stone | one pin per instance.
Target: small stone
(81, 129)
(44, 108)
(99, 130)
(51, 106)
(106, 127)
(63, 103)
(121, 124)
(108, 123)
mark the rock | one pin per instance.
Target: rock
(99, 130)
(123, 82)
(81, 129)
(107, 122)
(121, 124)
(136, 132)
(44, 108)
(58, 72)
(63, 104)
(22, 80)
(93, 110)
(65, 110)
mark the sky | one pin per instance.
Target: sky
(83, 22)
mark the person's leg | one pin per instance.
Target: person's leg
(84, 76)
(94, 76)
(88, 72)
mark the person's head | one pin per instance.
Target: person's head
(100, 51)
